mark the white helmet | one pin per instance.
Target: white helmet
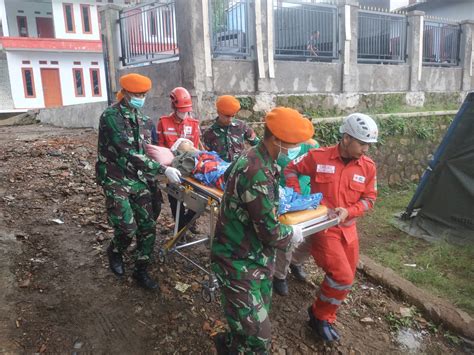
(361, 127)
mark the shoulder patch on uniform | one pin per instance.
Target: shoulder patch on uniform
(300, 158)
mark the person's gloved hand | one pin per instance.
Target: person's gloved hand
(173, 175)
(297, 237)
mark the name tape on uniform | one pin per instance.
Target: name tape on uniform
(328, 169)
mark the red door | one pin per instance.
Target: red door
(51, 87)
(45, 27)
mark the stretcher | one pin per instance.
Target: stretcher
(311, 221)
(201, 198)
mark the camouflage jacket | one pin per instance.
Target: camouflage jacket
(248, 230)
(120, 153)
(228, 142)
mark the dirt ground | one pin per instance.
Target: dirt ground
(59, 296)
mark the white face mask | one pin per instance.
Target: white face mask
(182, 115)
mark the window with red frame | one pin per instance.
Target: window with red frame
(69, 17)
(86, 19)
(22, 26)
(28, 82)
(78, 79)
(95, 82)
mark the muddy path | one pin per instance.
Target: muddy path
(57, 294)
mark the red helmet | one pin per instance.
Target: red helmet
(181, 100)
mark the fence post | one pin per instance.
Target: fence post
(265, 74)
(349, 25)
(194, 62)
(466, 54)
(415, 48)
(110, 36)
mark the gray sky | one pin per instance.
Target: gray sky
(395, 4)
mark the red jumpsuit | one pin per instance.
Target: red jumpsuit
(169, 129)
(352, 186)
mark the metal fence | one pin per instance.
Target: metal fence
(305, 31)
(148, 33)
(229, 21)
(441, 43)
(382, 37)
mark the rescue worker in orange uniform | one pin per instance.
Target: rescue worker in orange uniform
(347, 179)
(179, 124)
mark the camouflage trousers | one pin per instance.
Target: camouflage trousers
(246, 306)
(130, 213)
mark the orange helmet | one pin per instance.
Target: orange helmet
(181, 100)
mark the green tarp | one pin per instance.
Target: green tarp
(443, 205)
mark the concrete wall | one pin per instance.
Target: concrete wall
(441, 79)
(265, 80)
(6, 101)
(317, 78)
(235, 76)
(165, 77)
(404, 158)
(383, 78)
(85, 115)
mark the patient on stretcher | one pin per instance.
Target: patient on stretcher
(208, 168)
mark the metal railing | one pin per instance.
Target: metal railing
(229, 22)
(148, 33)
(441, 43)
(382, 37)
(305, 31)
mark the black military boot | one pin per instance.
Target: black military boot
(280, 286)
(220, 343)
(115, 261)
(298, 272)
(140, 274)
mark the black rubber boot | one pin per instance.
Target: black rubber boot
(298, 272)
(220, 343)
(115, 261)
(280, 286)
(140, 274)
(322, 328)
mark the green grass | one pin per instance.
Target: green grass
(443, 269)
(393, 107)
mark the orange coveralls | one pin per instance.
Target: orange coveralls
(336, 250)
(169, 130)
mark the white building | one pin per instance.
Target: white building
(50, 53)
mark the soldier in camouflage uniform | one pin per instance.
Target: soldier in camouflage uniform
(124, 172)
(227, 134)
(248, 233)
